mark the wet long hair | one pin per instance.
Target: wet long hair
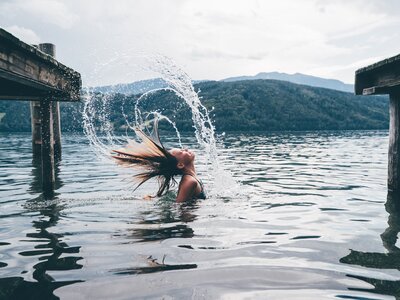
(151, 157)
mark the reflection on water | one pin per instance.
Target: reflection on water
(50, 251)
(166, 220)
(388, 260)
(35, 186)
(309, 223)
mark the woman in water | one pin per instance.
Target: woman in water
(155, 161)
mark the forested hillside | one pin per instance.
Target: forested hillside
(252, 105)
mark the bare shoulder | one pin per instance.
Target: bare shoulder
(187, 188)
(188, 182)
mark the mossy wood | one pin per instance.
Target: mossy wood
(26, 73)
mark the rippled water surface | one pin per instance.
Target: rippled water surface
(309, 223)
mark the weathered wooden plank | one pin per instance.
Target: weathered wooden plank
(31, 67)
(379, 64)
(379, 90)
(20, 98)
(379, 78)
(19, 87)
(3, 56)
(42, 78)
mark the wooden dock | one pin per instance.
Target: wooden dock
(31, 73)
(384, 78)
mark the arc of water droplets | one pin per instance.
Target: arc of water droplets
(138, 115)
(180, 83)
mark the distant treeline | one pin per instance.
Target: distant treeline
(256, 105)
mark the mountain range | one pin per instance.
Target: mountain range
(137, 87)
(299, 79)
(142, 86)
(248, 105)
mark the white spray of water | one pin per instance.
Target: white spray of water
(97, 119)
(181, 84)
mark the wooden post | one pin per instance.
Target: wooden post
(49, 114)
(56, 130)
(394, 144)
(50, 49)
(48, 174)
(36, 131)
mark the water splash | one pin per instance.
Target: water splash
(148, 122)
(99, 110)
(180, 83)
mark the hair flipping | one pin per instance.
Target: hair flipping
(150, 156)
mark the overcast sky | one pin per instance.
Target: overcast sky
(210, 39)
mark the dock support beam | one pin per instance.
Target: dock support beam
(394, 145)
(36, 130)
(55, 109)
(50, 49)
(48, 173)
(36, 121)
(382, 78)
(46, 132)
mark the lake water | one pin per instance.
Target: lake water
(309, 222)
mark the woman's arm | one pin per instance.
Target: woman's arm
(187, 189)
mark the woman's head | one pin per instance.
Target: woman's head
(150, 156)
(184, 157)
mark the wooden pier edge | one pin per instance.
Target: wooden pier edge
(31, 73)
(384, 78)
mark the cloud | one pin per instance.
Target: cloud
(290, 36)
(26, 35)
(213, 39)
(46, 11)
